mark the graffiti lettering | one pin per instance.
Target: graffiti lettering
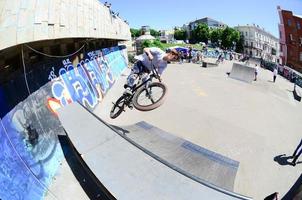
(90, 80)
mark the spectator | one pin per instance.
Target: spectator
(256, 72)
(275, 73)
(181, 57)
(190, 54)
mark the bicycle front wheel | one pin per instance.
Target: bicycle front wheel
(146, 99)
(118, 107)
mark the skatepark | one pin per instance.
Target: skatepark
(237, 134)
(218, 135)
(251, 123)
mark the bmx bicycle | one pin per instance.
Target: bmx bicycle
(146, 95)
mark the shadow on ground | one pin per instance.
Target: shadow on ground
(283, 159)
(120, 130)
(295, 191)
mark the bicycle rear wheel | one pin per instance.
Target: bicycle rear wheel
(118, 107)
(146, 99)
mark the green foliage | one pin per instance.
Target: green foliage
(180, 34)
(135, 32)
(201, 33)
(215, 35)
(158, 44)
(150, 43)
(154, 33)
(146, 43)
(239, 45)
(227, 36)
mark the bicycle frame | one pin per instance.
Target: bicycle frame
(154, 74)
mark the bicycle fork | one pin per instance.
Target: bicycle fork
(149, 91)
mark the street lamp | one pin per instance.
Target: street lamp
(219, 41)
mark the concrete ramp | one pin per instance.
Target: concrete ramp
(126, 169)
(195, 160)
(242, 72)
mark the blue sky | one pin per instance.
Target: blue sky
(160, 14)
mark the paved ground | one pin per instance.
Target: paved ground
(250, 123)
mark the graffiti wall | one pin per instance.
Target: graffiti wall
(30, 150)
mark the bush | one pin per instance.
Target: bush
(155, 43)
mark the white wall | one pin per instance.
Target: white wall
(23, 21)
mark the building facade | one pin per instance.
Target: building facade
(290, 30)
(258, 43)
(166, 36)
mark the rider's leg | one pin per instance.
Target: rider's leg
(132, 76)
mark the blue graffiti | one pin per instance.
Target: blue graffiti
(91, 79)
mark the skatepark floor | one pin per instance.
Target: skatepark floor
(252, 123)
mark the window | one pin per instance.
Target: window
(298, 25)
(300, 56)
(301, 40)
(291, 37)
(245, 33)
(289, 22)
(251, 44)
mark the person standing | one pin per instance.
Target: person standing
(256, 72)
(275, 73)
(297, 153)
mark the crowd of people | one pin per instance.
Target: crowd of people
(190, 55)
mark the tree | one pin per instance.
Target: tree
(146, 43)
(229, 37)
(239, 44)
(215, 35)
(180, 34)
(135, 32)
(201, 33)
(154, 33)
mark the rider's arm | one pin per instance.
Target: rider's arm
(148, 52)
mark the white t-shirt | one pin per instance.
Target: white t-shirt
(257, 69)
(157, 61)
(275, 72)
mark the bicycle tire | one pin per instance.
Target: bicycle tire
(114, 115)
(155, 104)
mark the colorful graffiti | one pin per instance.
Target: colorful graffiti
(90, 79)
(31, 152)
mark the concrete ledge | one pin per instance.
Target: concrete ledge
(242, 72)
(209, 62)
